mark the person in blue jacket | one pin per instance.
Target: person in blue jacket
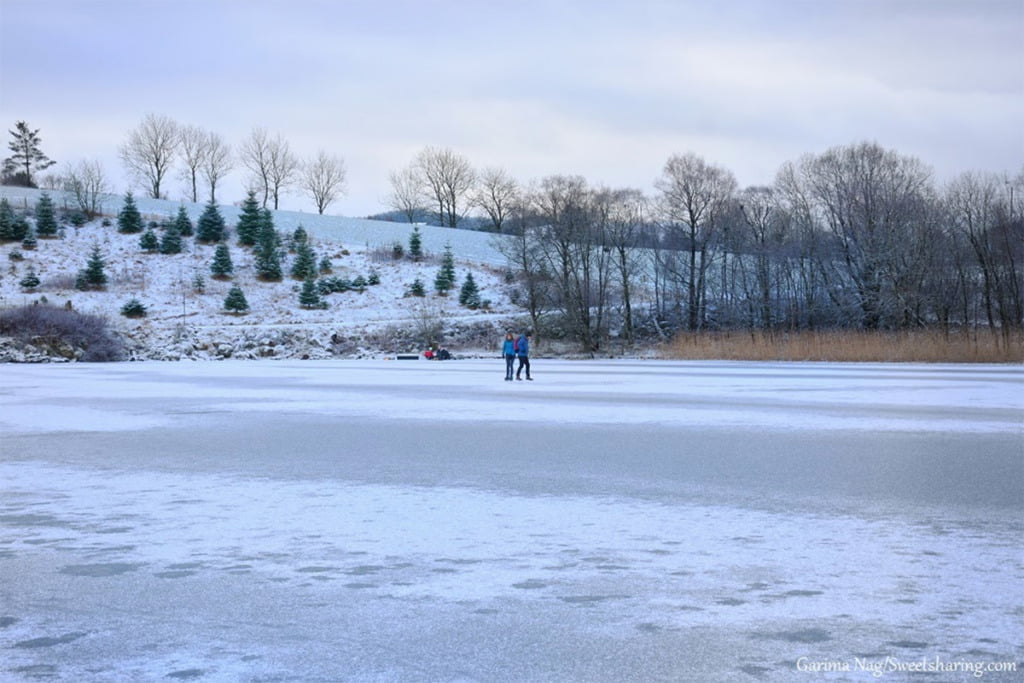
(523, 352)
(508, 352)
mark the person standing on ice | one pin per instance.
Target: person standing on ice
(508, 351)
(523, 352)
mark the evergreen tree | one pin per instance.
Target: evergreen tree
(19, 228)
(304, 266)
(129, 220)
(359, 284)
(309, 297)
(417, 288)
(299, 237)
(27, 157)
(210, 227)
(29, 241)
(31, 280)
(416, 245)
(221, 268)
(199, 284)
(183, 223)
(248, 227)
(149, 242)
(235, 301)
(268, 258)
(94, 276)
(46, 217)
(6, 220)
(134, 309)
(373, 278)
(469, 295)
(445, 279)
(326, 267)
(170, 243)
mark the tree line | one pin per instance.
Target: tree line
(858, 236)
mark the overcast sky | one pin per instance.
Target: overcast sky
(607, 90)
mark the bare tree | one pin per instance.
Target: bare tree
(87, 183)
(982, 213)
(573, 245)
(874, 203)
(448, 178)
(694, 195)
(406, 196)
(149, 152)
(760, 216)
(624, 224)
(496, 194)
(192, 145)
(283, 168)
(255, 156)
(324, 178)
(217, 163)
(522, 250)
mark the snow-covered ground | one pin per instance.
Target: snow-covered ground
(417, 521)
(185, 323)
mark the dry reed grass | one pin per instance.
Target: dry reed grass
(916, 346)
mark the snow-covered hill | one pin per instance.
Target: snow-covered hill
(185, 323)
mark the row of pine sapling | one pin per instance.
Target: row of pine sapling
(255, 230)
(445, 280)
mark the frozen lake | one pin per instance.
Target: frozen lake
(416, 521)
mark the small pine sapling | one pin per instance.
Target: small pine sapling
(211, 227)
(469, 295)
(6, 220)
(30, 281)
(19, 228)
(235, 301)
(248, 226)
(304, 266)
(373, 278)
(46, 217)
(94, 276)
(183, 223)
(416, 245)
(309, 297)
(129, 220)
(417, 288)
(268, 259)
(299, 237)
(134, 309)
(170, 243)
(149, 242)
(221, 268)
(326, 267)
(445, 279)
(29, 241)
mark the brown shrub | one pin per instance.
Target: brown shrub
(920, 346)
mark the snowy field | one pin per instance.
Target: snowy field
(417, 521)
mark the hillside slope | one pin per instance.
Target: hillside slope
(184, 321)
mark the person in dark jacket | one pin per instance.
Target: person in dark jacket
(523, 352)
(508, 352)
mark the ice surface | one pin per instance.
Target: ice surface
(428, 521)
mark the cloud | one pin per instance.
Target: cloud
(604, 89)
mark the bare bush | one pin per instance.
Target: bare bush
(55, 327)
